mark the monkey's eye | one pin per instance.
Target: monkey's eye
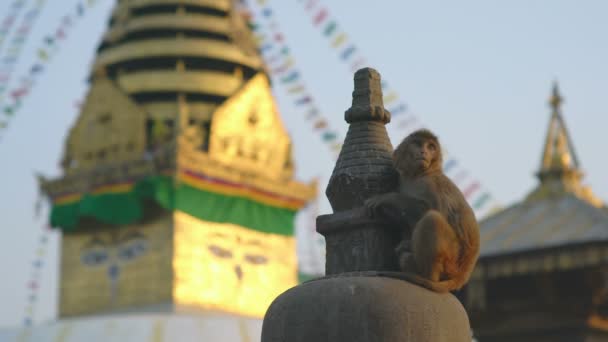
(432, 147)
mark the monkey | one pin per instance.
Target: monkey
(440, 242)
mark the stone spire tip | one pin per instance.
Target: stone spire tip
(367, 102)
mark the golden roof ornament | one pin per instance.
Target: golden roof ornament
(560, 172)
(559, 152)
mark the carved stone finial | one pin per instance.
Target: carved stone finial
(367, 102)
(364, 167)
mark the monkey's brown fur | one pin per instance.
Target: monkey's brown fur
(441, 235)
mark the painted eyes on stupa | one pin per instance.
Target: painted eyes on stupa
(219, 251)
(226, 254)
(256, 259)
(98, 252)
(132, 249)
(94, 257)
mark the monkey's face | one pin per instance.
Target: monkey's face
(418, 154)
(423, 154)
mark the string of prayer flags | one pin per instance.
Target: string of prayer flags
(313, 112)
(282, 65)
(400, 108)
(48, 47)
(294, 75)
(281, 69)
(329, 136)
(10, 18)
(321, 123)
(339, 40)
(320, 17)
(80, 9)
(275, 52)
(481, 201)
(459, 177)
(304, 100)
(470, 189)
(11, 56)
(329, 28)
(296, 89)
(348, 52)
(33, 285)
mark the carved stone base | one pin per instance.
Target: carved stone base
(356, 243)
(364, 307)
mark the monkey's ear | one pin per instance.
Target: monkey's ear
(400, 161)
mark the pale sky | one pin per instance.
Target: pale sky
(478, 73)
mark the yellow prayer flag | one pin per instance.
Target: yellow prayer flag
(390, 97)
(339, 40)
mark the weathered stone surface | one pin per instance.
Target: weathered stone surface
(367, 102)
(356, 243)
(364, 167)
(364, 307)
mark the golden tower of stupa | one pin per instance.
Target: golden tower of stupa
(178, 191)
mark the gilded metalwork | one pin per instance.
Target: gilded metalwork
(229, 268)
(208, 82)
(217, 4)
(248, 133)
(171, 21)
(196, 47)
(166, 110)
(104, 134)
(80, 181)
(191, 159)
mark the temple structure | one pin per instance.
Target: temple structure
(542, 271)
(177, 194)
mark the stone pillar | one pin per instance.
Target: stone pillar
(361, 298)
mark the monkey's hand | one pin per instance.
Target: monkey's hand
(384, 206)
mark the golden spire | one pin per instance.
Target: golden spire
(558, 155)
(559, 172)
(555, 101)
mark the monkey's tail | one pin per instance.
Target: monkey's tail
(458, 280)
(435, 286)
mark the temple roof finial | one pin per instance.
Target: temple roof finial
(558, 154)
(559, 171)
(556, 99)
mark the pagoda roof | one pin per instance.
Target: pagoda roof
(559, 212)
(559, 221)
